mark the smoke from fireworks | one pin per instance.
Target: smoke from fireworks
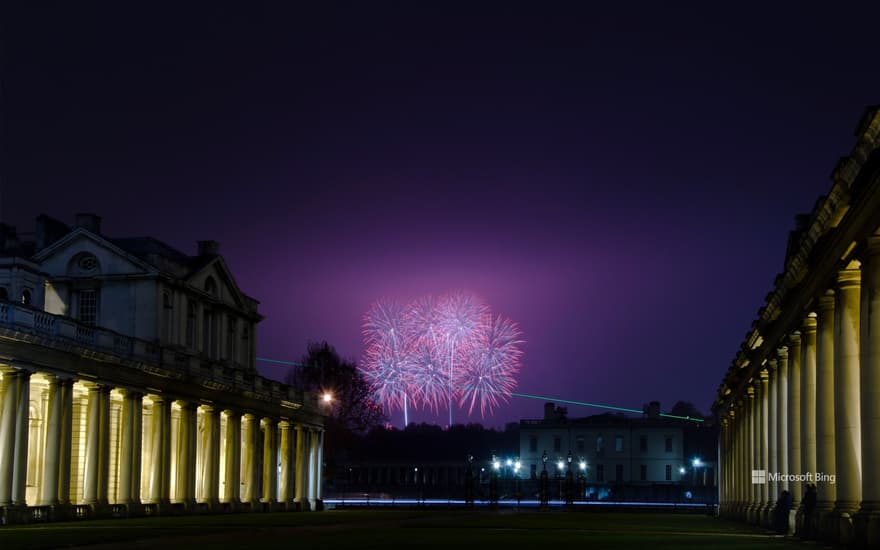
(437, 352)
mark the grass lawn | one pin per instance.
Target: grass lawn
(433, 528)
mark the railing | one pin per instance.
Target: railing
(163, 361)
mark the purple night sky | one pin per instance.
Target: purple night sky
(619, 182)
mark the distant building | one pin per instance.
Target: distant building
(620, 457)
(128, 384)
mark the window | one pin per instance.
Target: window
(600, 472)
(618, 472)
(643, 472)
(88, 307)
(26, 297)
(167, 316)
(669, 472)
(618, 444)
(211, 286)
(231, 327)
(190, 324)
(557, 443)
(668, 444)
(643, 444)
(245, 347)
(4, 294)
(579, 444)
(533, 471)
(533, 443)
(208, 333)
(600, 444)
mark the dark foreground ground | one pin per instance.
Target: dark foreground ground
(447, 529)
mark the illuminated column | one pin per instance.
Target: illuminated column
(270, 462)
(794, 418)
(319, 468)
(64, 457)
(248, 459)
(772, 388)
(137, 444)
(314, 468)
(232, 475)
(126, 487)
(8, 399)
(301, 470)
(186, 454)
(212, 466)
(847, 424)
(825, 462)
(52, 445)
(782, 415)
(763, 447)
(808, 395)
(738, 444)
(19, 466)
(93, 446)
(284, 481)
(868, 520)
(754, 448)
(104, 441)
(160, 463)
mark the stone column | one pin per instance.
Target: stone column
(232, 475)
(319, 469)
(825, 453)
(794, 418)
(137, 444)
(270, 463)
(64, 455)
(847, 422)
(52, 445)
(754, 449)
(212, 415)
(301, 470)
(740, 486)
(8, 402)
(186, 455)
(248, 460)
(104, 438)
(808, 395)
(93, 446)
(125, 486)
(772, 431)
(763, 446)
(160, 464)
(868, 518)
(284, 445)
(782, 416)
(19, 466)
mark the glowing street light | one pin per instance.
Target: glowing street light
(583, 465)
(697, 462)
(327, 397)
(681, 470)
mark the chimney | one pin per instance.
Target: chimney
(549, 411)
(91, 222)
(208, 248)
(653, 409)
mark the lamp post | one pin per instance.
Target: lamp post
(582, 479)
(697, 463)
(469, 482)
(493, 481)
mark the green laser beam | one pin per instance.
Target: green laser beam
(527, 396)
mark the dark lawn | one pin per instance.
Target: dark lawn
(439, 528)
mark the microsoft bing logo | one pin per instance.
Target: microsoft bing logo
(759, 477)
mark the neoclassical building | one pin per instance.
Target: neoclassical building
(128, 385)
(800, 404)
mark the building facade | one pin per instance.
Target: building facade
(651, 458)
(128, 384)
(800, 403)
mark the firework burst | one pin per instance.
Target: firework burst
(440, 351)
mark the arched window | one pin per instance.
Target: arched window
(211, 286)
(26, 297)
(4, 293)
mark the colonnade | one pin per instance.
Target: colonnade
(810, 415)
(79, 447)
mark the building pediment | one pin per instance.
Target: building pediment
(215, 279)
(82, 253)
